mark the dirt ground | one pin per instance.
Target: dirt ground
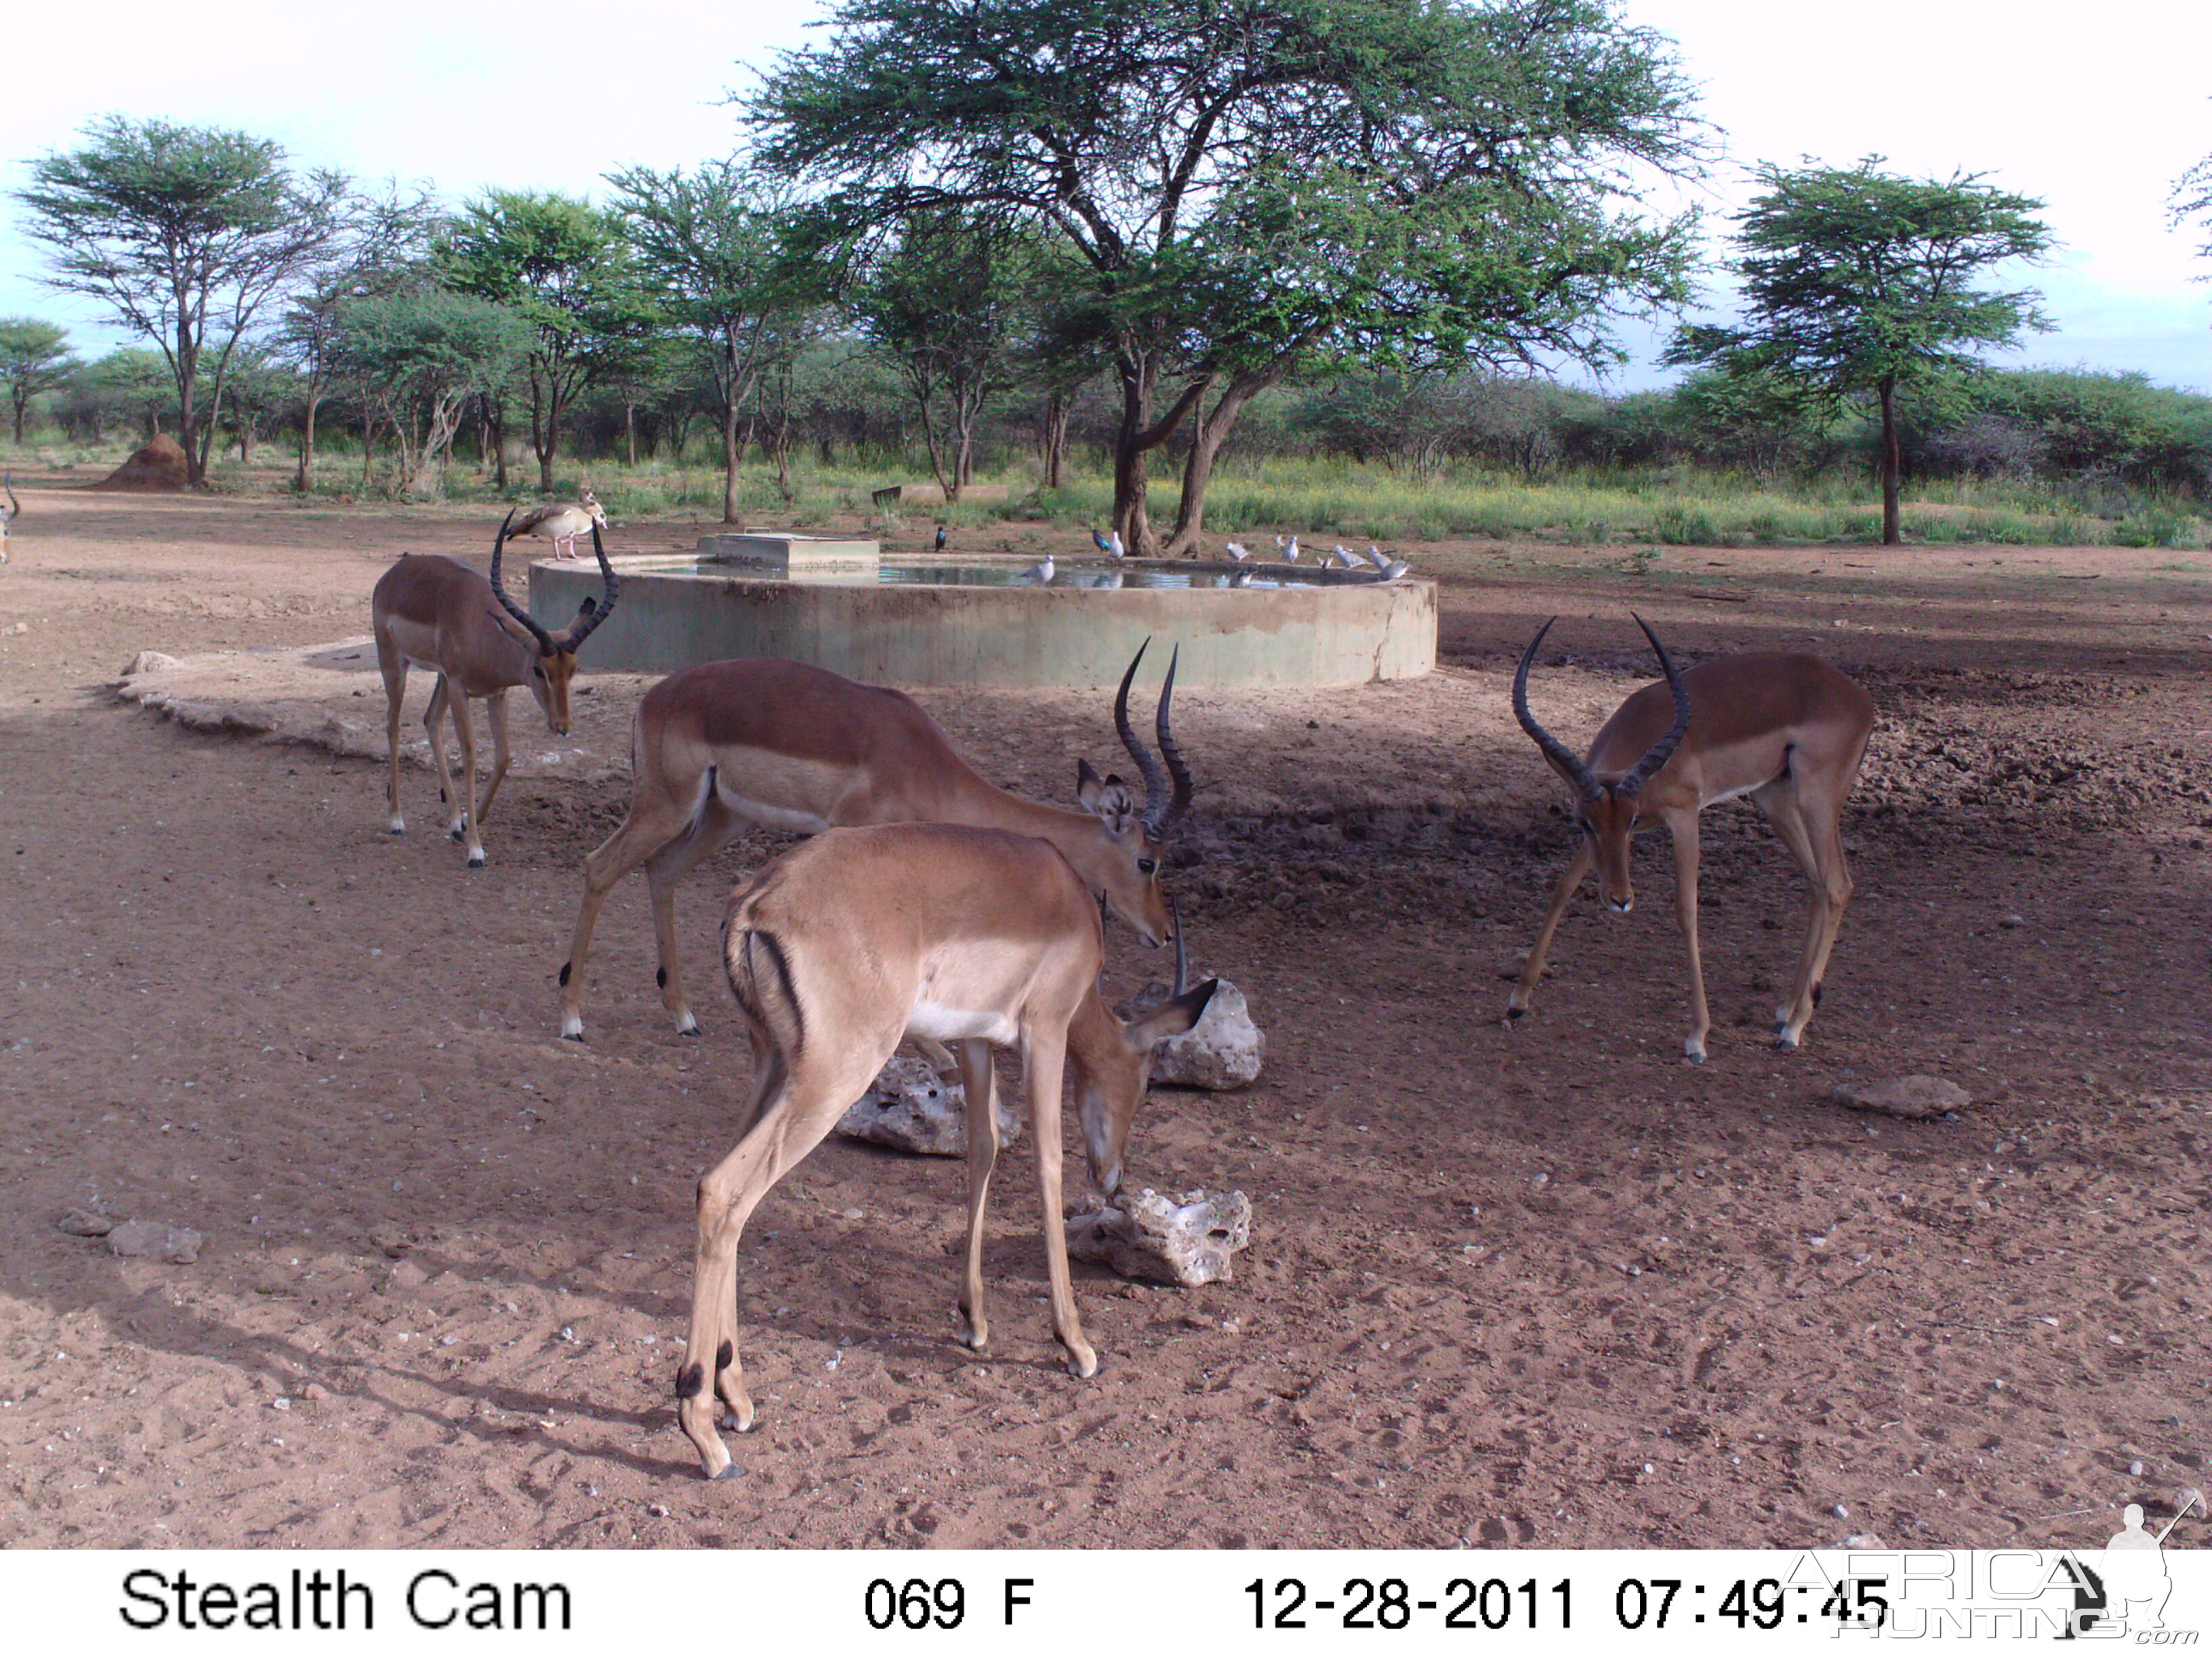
(1549, 1286)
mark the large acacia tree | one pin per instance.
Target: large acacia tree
(566, 267)
(1858, 284)
(186, 234)
(716, 248)
(1252, 183)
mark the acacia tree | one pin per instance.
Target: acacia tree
(381, 245)
(718, 261)
(1858, 284)
(565, 267)
(186, 234)
(1249, 183)
(34, 357)
(415, 357)
(944, 305)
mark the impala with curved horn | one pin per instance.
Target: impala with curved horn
(1786, 729)
(436, 613)
(788, 746)
(853, 941)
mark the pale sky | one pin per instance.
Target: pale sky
(2096, 110)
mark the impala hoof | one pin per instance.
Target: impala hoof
(1783, 1040)
(1694, 1052)
(397, 827)
(687, 1026)
(736, 1471)
(475, 861)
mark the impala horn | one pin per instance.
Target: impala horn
(1163, 806)
(594, 615)
(1568, 763)
(1662, 751)
(499, 591)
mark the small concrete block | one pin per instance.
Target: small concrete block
(913, 1108)
(1189, 1241)
(775, 553)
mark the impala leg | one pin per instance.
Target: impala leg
(645, 831)
(1830, 881)
(1532, 969)
(979, 1077)
(1043, 1060)
(1683, 827)
(457, 706)
(708, 835)
(393, 667)
(1779, 801)
(441, 696)
(791, 1109)
(495, 718)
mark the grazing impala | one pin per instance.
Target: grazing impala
(1786, 729)
(562, 523)
(788, 746)
(436, 612)
(859, 937)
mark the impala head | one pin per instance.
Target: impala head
(1137, 836)
(556, 652)
(1112, 1076)
(1607, 808)
(8, 513)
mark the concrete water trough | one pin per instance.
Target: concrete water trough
(970, 621)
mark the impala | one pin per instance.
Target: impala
(562, 523)
(436, 613)
(788, 746)
(1786, 729)
(8, 515)
(850, 942)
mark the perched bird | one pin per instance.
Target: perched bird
(1038, 575)
(1104, 546)
(1289, 548)
(1394, 569)
(1376, 558)
(1339, 559)
(1237, 551)
(1113, 544)
(562, 524)
(940, 538)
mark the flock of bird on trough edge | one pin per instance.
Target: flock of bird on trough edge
(929, 904)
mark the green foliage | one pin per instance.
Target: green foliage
(184, 234)
(34, 357)
(1858, 283)
(566, 268)
(1255, 185)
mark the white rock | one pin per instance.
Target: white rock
(154, 1238)
(1189, 1241)
(913, 1108)
(1223, 1051)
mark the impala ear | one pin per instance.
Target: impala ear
(1172, 1017)
(1114, 802)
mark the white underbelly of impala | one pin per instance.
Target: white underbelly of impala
(944, 1024)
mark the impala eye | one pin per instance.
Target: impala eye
(1146, 866)
(535, 670)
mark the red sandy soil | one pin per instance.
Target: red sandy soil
(1547, 1285)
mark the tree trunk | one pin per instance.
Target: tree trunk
(732, 451)
(1892, 536)
(1212, 432)
(304, 480)
(1058, 409)
(22, 398)
(630, 433)
(1134, 441)
(368, 424)
(187, 367)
